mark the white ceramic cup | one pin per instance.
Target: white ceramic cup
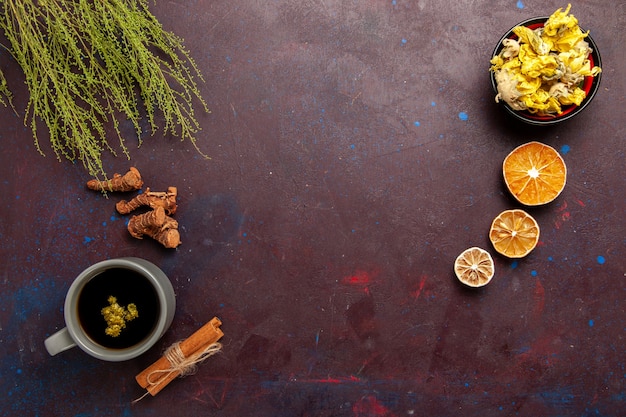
(75, 335)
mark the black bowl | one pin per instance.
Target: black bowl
(590, 85)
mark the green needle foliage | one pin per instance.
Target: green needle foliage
(88, 63)
(5, 94)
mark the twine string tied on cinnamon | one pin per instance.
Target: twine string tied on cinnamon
(181, 364)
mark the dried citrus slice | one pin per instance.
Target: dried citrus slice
(474, 267)
(534, 173)
(514, 233)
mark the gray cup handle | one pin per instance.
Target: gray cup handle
(59, 342)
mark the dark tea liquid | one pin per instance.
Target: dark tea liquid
(128, 287)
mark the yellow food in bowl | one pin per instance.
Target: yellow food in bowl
(543, 69)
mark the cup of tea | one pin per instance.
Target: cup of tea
(116, 310)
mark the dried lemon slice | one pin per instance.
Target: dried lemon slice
(514, 233)
(474, 267)
(534, 173)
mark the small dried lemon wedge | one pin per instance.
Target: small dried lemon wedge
(474, 267)
(514, 233)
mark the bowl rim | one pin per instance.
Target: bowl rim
(590, 84)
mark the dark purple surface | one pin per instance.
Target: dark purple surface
(356, 151)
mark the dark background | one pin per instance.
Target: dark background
(356, 151)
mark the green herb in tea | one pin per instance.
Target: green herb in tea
(116, 316)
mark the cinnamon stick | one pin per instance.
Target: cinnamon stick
(159, 374)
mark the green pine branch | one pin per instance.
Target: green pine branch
(89, 63)
(5, 93)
